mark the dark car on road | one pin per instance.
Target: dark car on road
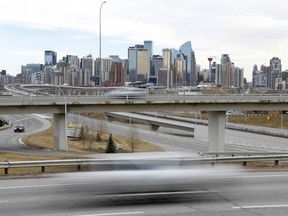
(19, 129)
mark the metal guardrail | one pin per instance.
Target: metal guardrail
(167, 161)
(232, 154)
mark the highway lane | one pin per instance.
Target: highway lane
(10, 141)
(244, 193)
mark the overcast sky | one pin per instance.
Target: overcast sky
(250, 31)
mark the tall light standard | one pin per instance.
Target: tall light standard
(100, 75)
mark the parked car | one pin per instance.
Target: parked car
(19, 129)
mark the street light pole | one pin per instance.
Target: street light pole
(100, 75)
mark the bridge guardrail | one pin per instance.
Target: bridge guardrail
(170, 161)
(29, 99)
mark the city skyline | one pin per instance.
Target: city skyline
(250, 35)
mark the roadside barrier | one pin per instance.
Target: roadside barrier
(158, 162)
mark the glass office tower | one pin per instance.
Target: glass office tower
(50, 58)
(190, 61)
(132, 57)
(149, 46)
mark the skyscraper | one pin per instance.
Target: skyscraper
(139, 63)
(73, 70)
(189, 55)
(50, 58)
(86, 69)
(167, 59)
(178, 72)
(212, 78)
(117, 76)
(275, 73)
(143, 65)
(157, 63)
(167, 65)
(237, 77)
(132, 68)
(149, 46)
(225, 70)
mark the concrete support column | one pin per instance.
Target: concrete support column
(60, 137)
(216, 131)
(110, 118)
(153, 127)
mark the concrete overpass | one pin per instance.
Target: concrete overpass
(215, 105)
(153, 121)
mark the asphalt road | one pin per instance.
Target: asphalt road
(10, 141)
(242, 193)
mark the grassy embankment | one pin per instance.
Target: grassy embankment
(273, 122)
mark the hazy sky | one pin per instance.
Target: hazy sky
(250, 31)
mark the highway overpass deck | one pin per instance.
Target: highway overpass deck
(215, 105)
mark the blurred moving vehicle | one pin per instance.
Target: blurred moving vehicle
(128, 93)
(150, 174)
(19, 129)
(144, 182)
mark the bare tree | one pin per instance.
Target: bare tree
(101, 128)
(133, 135)
(82, 135)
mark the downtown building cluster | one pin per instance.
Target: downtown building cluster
(174, 68)
(270, 77)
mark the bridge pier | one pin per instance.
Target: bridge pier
(109, 117)
(216, 131)
(60, 136)
(152, 126)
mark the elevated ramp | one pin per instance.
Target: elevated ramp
(154, 122)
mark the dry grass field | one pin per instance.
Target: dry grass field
(273, 122)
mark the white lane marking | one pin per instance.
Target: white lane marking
(37, 186)
(42, 116)
(262, 176)
(260, 206)
(111, 214)
(157, 193)
(3, 201)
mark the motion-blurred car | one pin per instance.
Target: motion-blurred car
(128, 93)
(19, 129)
